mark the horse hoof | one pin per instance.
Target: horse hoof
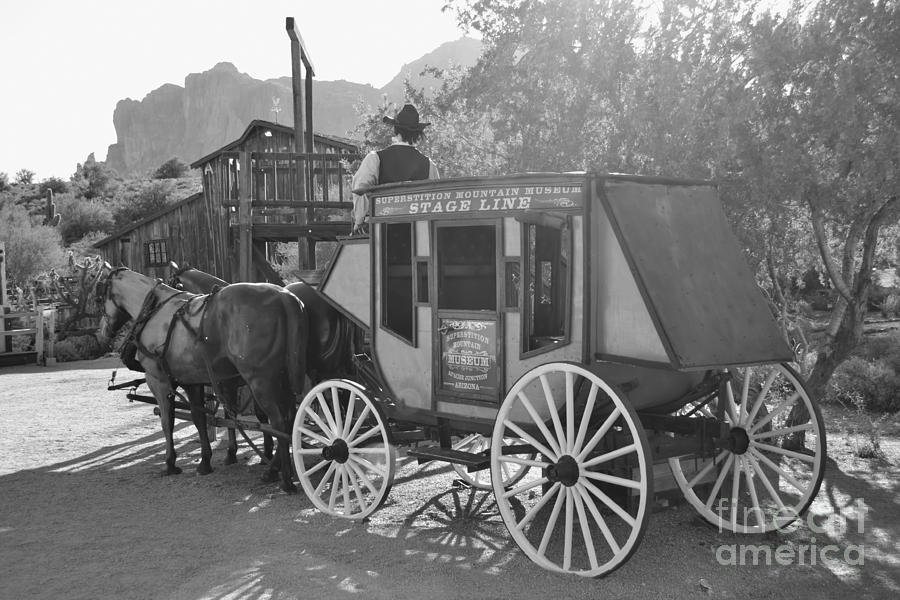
(172, 470)
(289, 488)
(204, 469)
(230, 459)
(271, 477)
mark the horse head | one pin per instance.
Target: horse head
(113, 314)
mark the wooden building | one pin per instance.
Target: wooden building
(256, 192)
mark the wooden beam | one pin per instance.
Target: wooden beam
(245, 220)
(294, 33)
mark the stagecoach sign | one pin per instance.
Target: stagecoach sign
(469, 356)
(496, 199)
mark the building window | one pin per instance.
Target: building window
(157, 253)
(546, 286)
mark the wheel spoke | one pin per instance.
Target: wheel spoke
(368, 466)
(782, 431)
(369, 434)
(748, 474)
(595, 439)
(609, 502)
(551, 523)
(790, 453)
(719, 480)
(567, 531)
(562, 444)
(610, 455)
(336, 403)
(321, 425)
(318, 466)
(524, 487)
(621, 481)
(784, 404)
(345, 483)
(709, 467)
(735, 488)
(787, 476)
(773, 494)
(315, 436)
(539, 505)
(585, 526)
(730, 403)
(361, 476)
(523, 461)
(325, 478)
(359, 422)
(598, 518)
(570, 412)
(368, 450)
(326, 410)
(585, 419)
(335, 486)
(351, 406)
(745, 396)
(536, 419)
(530, 440)
(761, 397)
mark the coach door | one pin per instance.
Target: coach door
(467, 329)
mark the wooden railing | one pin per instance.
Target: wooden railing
(36, 322)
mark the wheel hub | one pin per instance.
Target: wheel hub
(740, 441)
(338, 451)
(564, 471)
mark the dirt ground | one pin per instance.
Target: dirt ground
(84, 513)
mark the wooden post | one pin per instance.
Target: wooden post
(39, 334)
(50, 324)
(300, 54)
(5, 341)
(245, 220)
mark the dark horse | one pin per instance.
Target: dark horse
(329, 351)
(254, 332)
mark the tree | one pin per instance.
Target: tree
(30, 249)
(57, 185)
(93, 179)
(171, 169)
(80, 217)
(24, 177)
(144, 199)
(4, 182)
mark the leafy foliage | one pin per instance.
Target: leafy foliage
(55, 184)
(94, 179)
(81, 216)
(24, 177)
(30, 248)
(4, 182)
(140, 199)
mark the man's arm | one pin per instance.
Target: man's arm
(365, 176)
(433, 170)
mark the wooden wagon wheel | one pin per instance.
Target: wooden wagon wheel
(583, 506)
(773, 465)
(512, 473)
(342, 450)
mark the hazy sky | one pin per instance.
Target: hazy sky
(65, 63)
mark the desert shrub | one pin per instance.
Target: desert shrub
(30, 248)
(80, 217)
(53, 183)
(171, 169)
(82, 347)
(882, 347)
(872, 385)
(140, 200)
(4, 182)
(890, 306)
(94, 179)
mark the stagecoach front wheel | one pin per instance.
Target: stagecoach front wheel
(583, 506)
(769, 468)
(342, 450)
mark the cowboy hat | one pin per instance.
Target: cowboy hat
(407, 118)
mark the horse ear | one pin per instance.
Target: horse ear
(173, 265)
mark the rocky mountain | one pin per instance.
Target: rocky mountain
(214, 107)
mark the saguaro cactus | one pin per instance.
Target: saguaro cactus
(50, 217)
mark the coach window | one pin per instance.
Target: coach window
(546, 283)
(397, 280)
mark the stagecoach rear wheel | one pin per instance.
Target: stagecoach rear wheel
(476, 443)
(583, 506)
(342, 450)
(769, 468)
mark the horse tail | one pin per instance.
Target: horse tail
(297, 339)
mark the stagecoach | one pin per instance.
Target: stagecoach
(563, 340)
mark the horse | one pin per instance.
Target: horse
(255, 332)
(329, 351)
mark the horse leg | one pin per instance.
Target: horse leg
(197, 399)
(268, 442)
(226, 391)
(281, 419)
(164, 394)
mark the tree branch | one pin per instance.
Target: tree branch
(818, 223)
